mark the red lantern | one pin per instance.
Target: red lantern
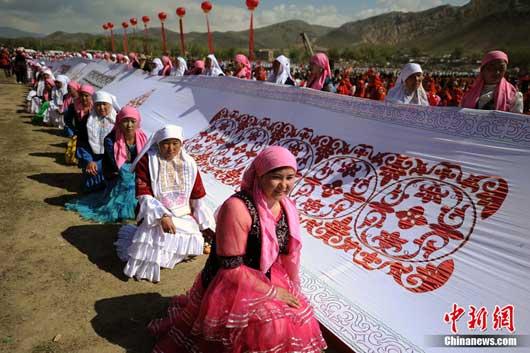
(252, 4)
(105, 27)
(162, 16)
(110, 25)
(125, 25)
(133, 21)
(181, 12)
(145, 20)
(206, 6)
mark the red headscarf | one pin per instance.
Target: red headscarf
(120, 148)
(260, 73)
(505, 92)
(321, 60)
(269, 159)
(434, 99)
(245, 72)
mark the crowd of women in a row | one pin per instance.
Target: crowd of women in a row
(411, 86)
(248, 296)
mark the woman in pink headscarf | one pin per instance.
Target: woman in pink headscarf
(79, 107)
(72, 88)
(133, 60)
(198, 68)
(491, 90)
(248, 296)
(243, 69)
(121, 146)
(168, 66)
(320, 78)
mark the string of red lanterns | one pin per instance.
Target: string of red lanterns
(206, 7)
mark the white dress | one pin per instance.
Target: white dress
(147, 248)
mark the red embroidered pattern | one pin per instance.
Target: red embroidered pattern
(392, 212)
(138, 101)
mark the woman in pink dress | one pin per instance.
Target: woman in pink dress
(248, 296)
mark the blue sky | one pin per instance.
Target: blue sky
(46, 16)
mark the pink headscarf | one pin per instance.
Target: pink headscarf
(74, 85)
(198, 67)
(322, 61)
(504, 94)
(78, 106)
(269, 159)
(120, 149)
(133, 58)
(245, 72)
(168, 65)
(50, 82)
(68, 99)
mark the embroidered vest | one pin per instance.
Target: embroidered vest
(252, 255)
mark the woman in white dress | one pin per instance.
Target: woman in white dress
(172, 213)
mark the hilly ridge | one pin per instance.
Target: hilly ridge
(477, 25)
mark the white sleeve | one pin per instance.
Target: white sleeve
(202, 213)
(151, 210)
(518, 104)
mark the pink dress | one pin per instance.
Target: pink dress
(232, 305)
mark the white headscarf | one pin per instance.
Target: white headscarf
(284, 73)
(64, 80)
(171, 187)
(158, 66)
(59, 93)
(398, 94)
(215, 69)
(49, 72)
(89, 56)
(98, 127)
(182, 67)
(167, 132)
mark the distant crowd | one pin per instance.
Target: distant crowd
(424, 88)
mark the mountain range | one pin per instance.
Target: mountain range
(477, 25)
(8, 32)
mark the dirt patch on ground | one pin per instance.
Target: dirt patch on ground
(62, 289)
(59, 275)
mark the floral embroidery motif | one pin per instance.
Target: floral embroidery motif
(390, 211)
